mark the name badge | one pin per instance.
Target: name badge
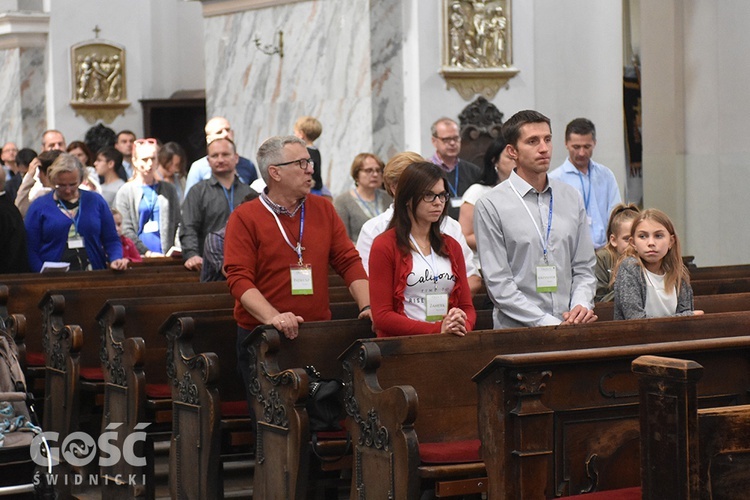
(75, 242)
(302, 283)
(436, 306)
(546, 279)
(589, 221)
(457, 202)
(151, 226)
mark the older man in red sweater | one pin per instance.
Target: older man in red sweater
(279, 246)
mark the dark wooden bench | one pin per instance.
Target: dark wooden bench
(721, 285)
(206, 399)
(714, 272)
(136, 386)
(21, 293)
(565, 422)
(411, 391)
(279, 392)
(688, 452)
(722, 302)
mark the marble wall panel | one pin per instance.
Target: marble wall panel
(335, 67)
(10, 96)
(33, 101)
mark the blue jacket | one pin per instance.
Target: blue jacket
(47, 231)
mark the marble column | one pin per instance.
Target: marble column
(341, 63)
(23, 40)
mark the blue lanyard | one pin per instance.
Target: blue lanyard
(545, 241)
(229, 195)
(151, 201)
(70, 215)
(454, 190)
(586, 197)
(371, 207)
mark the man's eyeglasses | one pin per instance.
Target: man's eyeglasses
(371, 171)
(430, 197)
(448, 140)
(302, 163)
(141, 142)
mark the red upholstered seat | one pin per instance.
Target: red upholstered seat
(34, 358)
(621, 494)
(94, 374)
(158, 391)
(453, 452)
(331, 435)
(234, 409)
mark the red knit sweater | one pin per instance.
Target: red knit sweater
(257, 256)
(388, 271)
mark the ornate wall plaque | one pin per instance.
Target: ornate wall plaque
(98, 85)
(477, 51)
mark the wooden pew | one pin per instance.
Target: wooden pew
(21, 293)
(723, 302)
(279, 392)
(197, 343)
(687, 453)
(136, 386)
(566, 422)
(714, 272)
(721, 285)
(411, 391)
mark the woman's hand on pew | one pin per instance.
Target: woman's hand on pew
(698, 312)
(288, 324)
(579, 315)
(119, 264)
(454, 322)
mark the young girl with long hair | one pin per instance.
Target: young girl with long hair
(651, 280)
(618, 240)
(418, 274)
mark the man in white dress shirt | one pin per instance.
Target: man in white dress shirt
(533, 241)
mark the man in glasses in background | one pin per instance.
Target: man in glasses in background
(460, 173)
(219, 127)
(278, 249)
(533, 241)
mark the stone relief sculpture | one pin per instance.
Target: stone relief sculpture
(477, 34)
(98, 79)
(477, 46)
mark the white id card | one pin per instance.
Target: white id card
(436, 306)
(546, 278)
(302, 283)
(151, 227)
(589, 220)
(75, 242)
(457, 202)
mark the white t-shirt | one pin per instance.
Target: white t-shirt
(659, 302)
(474, 192)
(421, 281)
(377, 225)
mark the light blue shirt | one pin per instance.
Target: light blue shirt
(599, 192)
(510, 249)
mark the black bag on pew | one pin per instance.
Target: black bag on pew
(324, 408)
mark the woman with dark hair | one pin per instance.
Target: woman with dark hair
(81, 151)
(172, 166)
(497, 167)
(418, 274)
(108, 165)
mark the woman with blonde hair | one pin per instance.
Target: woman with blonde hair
(70, 224)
